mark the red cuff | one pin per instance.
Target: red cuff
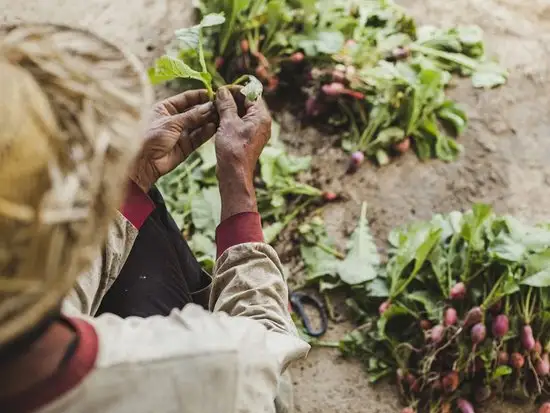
(137, 206)
(239, 229)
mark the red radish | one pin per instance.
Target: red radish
(338, 76)
(450, 317)
(483, 394)
(407, 410)
(329, 196)
(496, 308)
(437, 386)
(543, 365)
(450, 382)
(357, 158)
(403, 146)
(245, 47)
(527, 339)
(474, 316)
(261, 72)
(333, 89)
(503, 358)
(410, 379)
(465, 406)
(218, 62)
(384, 307)
(273, 84)
(312, 107)
(350, 43)
(501, 325)
(517, 360)
(437, 334)
(297, 57)
(425, 324)
(458, 291)
(545, 408)
(400, 53)
(416, 387)
(538, 347)
(355, 94)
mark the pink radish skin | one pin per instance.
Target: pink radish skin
(357, 158)
(407, 410)
(338, 76)
(538, 347)
(527, 339)
(450, 382)
(384, 307)
(543, 366)
(503, 358)
(479, 332)
(219, 62)
(329, 196)
(517, 360)
(437, 334)
(545, 408)
(403, 146)
(458, 292)
(451, 317)
(465, 406)
(425, 325)
(501, 325)
(474, 316)
(333, 89)
(297, 57)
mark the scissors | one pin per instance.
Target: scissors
(298, 301)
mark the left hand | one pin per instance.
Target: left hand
(180, 125)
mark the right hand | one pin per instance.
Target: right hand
(239, 143)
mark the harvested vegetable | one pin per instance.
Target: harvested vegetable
(364, 64)
(452, 271)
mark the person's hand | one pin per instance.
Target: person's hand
(239, 143)
(180, 125)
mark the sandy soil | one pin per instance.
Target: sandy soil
(505, 162)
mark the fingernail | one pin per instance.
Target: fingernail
(223, 92)
(206, 108)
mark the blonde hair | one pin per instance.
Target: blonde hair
(70, 111)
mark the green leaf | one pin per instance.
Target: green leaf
(474, 224)
(501, 371)
(206, 210)
(453, 114)
(207, 152)
(429, 301)
(212, 19)
(318, 262)
(362, 260)
(330, 42)
(271, 232)
(188, 38)
(540, 279)
(253, 89)
(378, 288)
(168, 68)
(505, 248)
(489, 75)
(200, 243)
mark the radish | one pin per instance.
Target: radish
(403, 146)
(450, 382)
(384, 307)
(517, 360)
(450, 317)
(501, 325)
(465, 406)
(400, 53)
(218, 62)
(407, 410)
(313, 107)
(503, 358)
(479, 332)
(261, 72)
(410, 379)
(543, 365)
(496, 308)
(355, 94)
(437, 334)
(272, 84)
(350, 43)
(297, 57)
(425, 324)
(329, 196)
(545, 408)
(538, 347)
(333, 89)
(474, 316)
(527, 339)
(338, 76)
(436, 386)
(458, 291)
(446, 407)
(357, 158)
(245, 47)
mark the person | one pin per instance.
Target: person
(70, 112)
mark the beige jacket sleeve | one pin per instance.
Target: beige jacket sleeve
(230, 360)
(92, 286)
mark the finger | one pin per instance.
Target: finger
(190, 141)
(195, 117)
(184, 101)
(226, 105)
(242, 102)
(257, 112)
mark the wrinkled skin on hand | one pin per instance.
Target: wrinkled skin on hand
(245, 128)
(180, 124)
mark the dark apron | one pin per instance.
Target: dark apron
(160, 273)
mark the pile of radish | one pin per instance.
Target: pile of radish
(459, 315)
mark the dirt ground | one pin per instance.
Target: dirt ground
(507, 147)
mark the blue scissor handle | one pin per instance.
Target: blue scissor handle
(298, 300)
